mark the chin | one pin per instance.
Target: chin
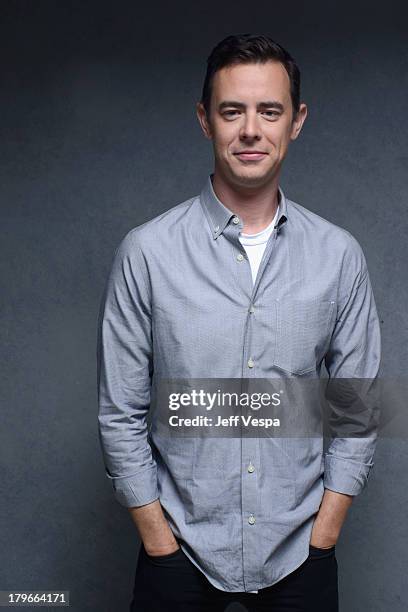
(251, 179)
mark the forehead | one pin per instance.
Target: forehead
(252, 81)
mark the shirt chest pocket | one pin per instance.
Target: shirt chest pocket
(303, 330)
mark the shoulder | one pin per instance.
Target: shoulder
(326, 236)
(155, 231)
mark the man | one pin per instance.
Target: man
(236, 283)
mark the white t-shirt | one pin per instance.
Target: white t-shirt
(255, 244)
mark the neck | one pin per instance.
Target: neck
(256, 207)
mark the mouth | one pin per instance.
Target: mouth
(251, 155)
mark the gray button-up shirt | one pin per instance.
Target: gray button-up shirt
(180, 303)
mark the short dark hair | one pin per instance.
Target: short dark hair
(248, 49)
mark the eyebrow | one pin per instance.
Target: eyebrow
(267, 104)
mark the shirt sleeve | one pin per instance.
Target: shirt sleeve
(354, 353)
(124, 370)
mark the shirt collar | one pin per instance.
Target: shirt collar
(219, 215)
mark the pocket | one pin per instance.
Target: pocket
(163, 558)
(304, 327)
(320, 553)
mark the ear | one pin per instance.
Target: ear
(202, 118)
(298, 121)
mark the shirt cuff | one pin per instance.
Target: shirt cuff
(345, 475)
(136, 490)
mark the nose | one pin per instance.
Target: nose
(250, 129)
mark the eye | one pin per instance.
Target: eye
(271, 113)
(230, 113)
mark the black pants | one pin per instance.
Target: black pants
(171, 583)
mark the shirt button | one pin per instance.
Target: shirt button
(251, 519)
(216, 228)
(251, 468)
(235, 220)
(240, 257)
(250, 363)
(251, 309)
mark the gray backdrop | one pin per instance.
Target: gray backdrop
(98, 134)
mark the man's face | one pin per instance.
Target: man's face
(250, 122)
